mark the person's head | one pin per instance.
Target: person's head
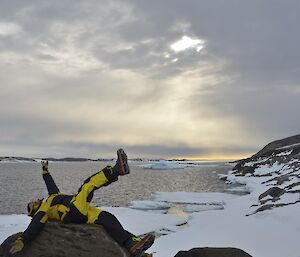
(33, 206)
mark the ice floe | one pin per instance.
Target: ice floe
(164, 165)
(194, 198)
(149, 205)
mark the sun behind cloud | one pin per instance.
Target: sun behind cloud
(187, 43)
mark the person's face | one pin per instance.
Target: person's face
(33, 204)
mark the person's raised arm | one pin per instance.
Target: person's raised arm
(50, 184)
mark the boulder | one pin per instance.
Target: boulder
(274, 192)
(68, 240)
(213, 252)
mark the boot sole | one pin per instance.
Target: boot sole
(124, 164)
(146, 243)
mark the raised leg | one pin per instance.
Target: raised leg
(85, 193)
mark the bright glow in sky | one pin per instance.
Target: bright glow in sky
(7, 28)
(186, 42)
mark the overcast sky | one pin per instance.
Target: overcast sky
(172, 78)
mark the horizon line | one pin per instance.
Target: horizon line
(207, 158)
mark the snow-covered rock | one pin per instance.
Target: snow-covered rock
(277, 168)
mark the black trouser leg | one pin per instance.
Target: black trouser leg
(113, 227)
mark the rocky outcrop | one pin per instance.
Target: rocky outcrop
(213, 252)
(68, 240)
(279, 145)
(279, 163)
(282, 151)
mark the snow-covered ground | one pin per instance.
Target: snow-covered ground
(213, 220)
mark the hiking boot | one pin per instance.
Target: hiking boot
(147, 255)
(122, 165)
(136, 246)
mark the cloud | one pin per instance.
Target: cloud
(103, 74)
(9, 28)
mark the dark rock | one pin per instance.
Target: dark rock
(68, 240)
(271, 206)
(279, 180)
(294, 192)
(243, 170)
(274, 192)
(213, 252)
(292, 185)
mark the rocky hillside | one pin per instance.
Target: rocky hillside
(277, 166)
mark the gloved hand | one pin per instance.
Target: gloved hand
(17, 246)
(45, 167)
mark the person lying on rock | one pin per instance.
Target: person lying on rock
(77, 209)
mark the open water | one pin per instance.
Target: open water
(21, 182)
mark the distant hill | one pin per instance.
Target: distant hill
(274, 151)
(66, 159)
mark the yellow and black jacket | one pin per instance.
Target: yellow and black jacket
(55, 207)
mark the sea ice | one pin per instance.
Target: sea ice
(202, 207)
(164, 165)
(149, 205)
(240, 189)
(194, 198)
